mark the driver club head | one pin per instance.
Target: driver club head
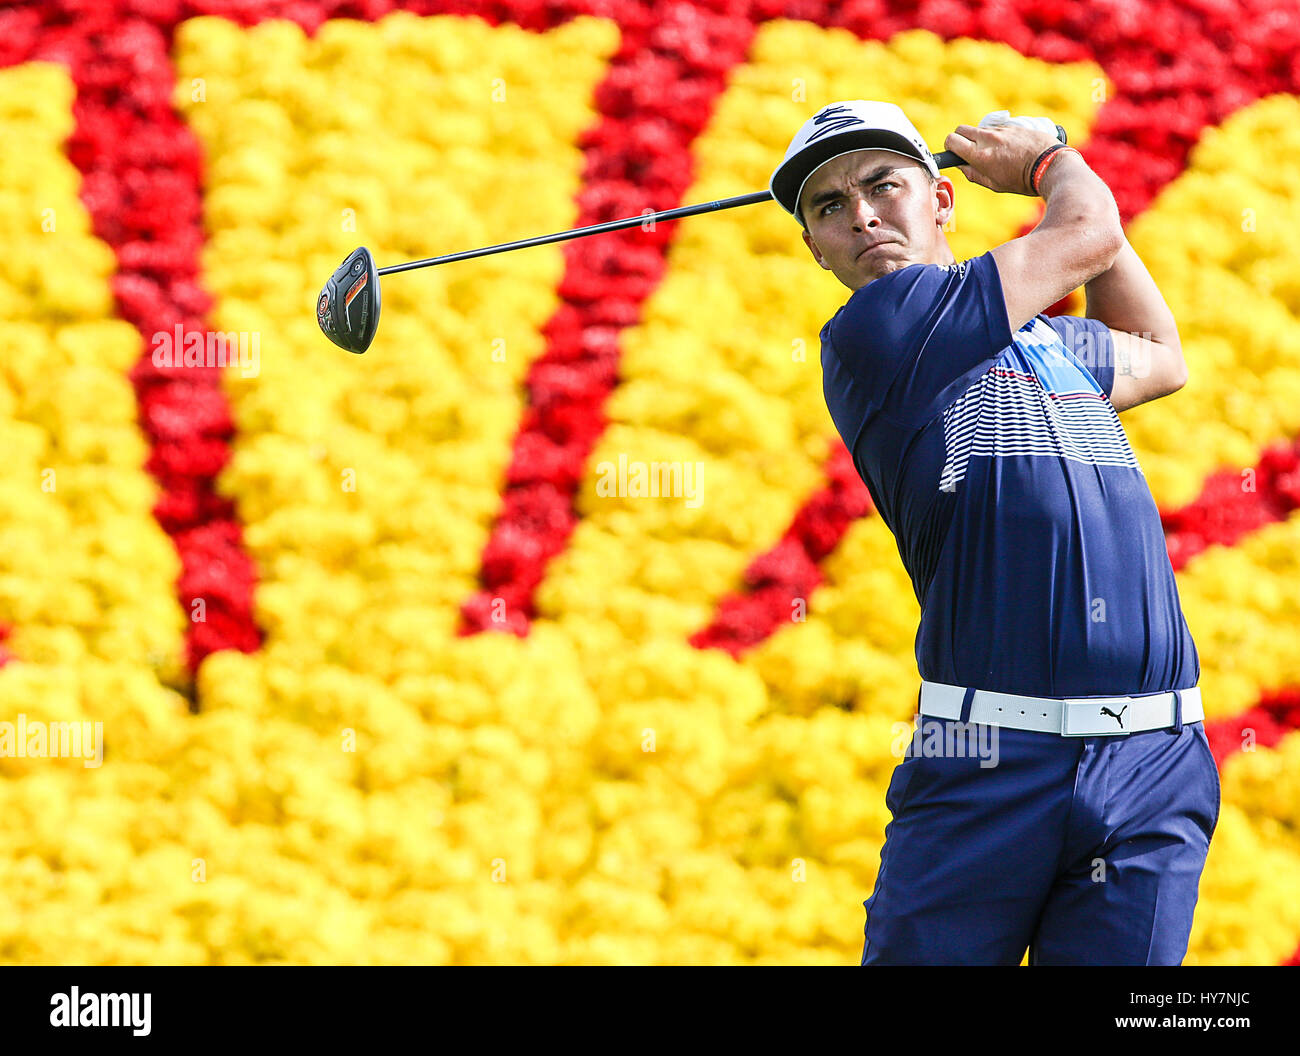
(348, 306)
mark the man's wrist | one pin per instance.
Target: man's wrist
(1046, 170)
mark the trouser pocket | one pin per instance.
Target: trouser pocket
(1214, 772)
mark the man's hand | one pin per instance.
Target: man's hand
(1000, 158)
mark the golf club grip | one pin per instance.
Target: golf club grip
(946, 159)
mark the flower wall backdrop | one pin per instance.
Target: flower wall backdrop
(393, 662)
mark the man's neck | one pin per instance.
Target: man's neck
(943, 254)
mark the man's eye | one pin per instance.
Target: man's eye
(827, 206)
(886, 183)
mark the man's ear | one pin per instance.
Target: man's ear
(945, 202)
(812, 246)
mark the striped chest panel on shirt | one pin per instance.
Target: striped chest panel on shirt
(1038, 399)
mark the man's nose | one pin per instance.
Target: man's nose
(864, 215)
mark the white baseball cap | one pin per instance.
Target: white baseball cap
(841, 128)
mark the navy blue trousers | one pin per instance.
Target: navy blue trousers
(1083, 850)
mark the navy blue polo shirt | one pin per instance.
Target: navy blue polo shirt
(998, 462)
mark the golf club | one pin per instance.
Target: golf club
(348, 307)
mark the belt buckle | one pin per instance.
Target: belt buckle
(1095, 709)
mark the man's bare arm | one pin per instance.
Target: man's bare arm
(1080, 231)
(1148, 352)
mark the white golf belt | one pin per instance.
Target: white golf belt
(1069, 716)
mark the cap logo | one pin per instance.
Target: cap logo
(832, 119)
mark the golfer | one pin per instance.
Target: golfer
(988, 437)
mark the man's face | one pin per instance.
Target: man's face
(871, 198)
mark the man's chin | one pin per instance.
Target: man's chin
(865, 275)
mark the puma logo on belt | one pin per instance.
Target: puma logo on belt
(1118, 718)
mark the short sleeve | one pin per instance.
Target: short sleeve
(910, 337)
(1090, 342)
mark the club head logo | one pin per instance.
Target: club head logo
(357, 287)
